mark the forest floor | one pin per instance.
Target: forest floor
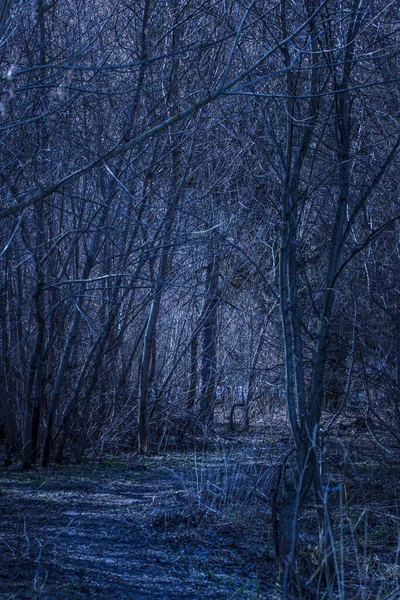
(192, 524)
(123, 527)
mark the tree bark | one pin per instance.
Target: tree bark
(210, 338)
(193, 375)
(7, 410)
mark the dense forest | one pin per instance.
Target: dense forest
(200, 245)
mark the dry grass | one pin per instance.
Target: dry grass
(212, 500)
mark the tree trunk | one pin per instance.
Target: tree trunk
(7, 410)
(34, 387)
(148, 361)
(252, 379)
(297, 486)
(209, 351)
(193, 376)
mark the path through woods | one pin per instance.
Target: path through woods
(197, 523)
(117, 530)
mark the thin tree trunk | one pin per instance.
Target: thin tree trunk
(38, 389)
(252, 379)
(7, 410)
(193, 375)
(71, 338)
(148, 360)
(32, 405)
(209, 350)
(301, 475)
(149, 346)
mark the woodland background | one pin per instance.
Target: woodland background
(199, 227)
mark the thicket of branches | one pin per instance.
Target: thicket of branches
(199, 205)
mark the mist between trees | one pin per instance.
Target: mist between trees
(199, 205)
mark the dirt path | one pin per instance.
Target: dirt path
(119, 530)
